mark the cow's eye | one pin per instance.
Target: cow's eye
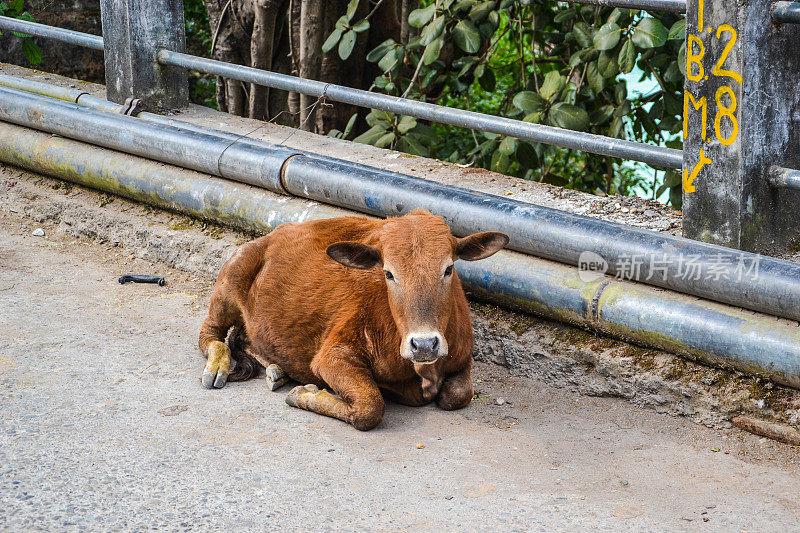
(388, 274)
(448, 271)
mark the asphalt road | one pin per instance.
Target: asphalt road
(106, 427)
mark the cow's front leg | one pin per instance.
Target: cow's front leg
(359, 401)
(456, 391)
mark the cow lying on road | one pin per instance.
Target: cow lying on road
(357, 305)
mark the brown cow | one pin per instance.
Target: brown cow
(358, 305)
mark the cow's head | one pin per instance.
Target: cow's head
(416, 253)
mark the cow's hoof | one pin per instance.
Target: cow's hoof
(276, 377)
(215, 374)
(295, 395)
(214, 380)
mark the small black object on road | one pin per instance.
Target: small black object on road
(139, 278)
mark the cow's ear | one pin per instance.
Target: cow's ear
(355, 254)
(480, 245)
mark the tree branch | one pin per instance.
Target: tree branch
(311, 32)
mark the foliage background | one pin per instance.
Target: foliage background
(16, 9)
(534, 60)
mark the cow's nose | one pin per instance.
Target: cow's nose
(425, 347)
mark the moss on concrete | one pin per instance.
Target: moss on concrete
(574, 336)
(776, 398)
(500, 319)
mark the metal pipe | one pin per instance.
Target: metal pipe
(787, 178)
(44, 89)
(49, 32)
(656, 156)
(739, 278)
(236, 205)
(709, 332)
(672, 6)
(712, 333)
(249, 162)
(788, 12)
(86, 99)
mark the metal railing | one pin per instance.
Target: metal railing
(50, 32)
(656, 156)
(671, 6)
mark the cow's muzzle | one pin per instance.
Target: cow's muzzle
(425, 347)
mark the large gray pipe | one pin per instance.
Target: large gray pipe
(713, 333)
(746, 280)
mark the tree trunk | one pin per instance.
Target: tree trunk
(261, 49)
(294, 52)
(311, 39)
(405, 28)
(286, 36)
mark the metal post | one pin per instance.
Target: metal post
(133, 33)
(740, 102)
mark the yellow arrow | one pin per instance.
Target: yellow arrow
(688, 179)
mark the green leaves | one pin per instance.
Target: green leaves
(678, 31)
(347, 43)
(432, 31)
(401, 132)
(508, 146)
(627, 57)
(649, 33)
(569, 117)
(475, 53)
(419, 17)
(361, 26)
(480, 11)
(565, 15)
(332, 39)
(527, 156)
(344, 33)
(384, 140)
(553, 82)
(432, 51)
(343, 134)
(406, 124)
(672, 182)
(379, 51)
(601, 114)
(14, 9)
(607, 36)
(389, 56)
(352, 6)
(32, 52)
(487, 80)
(596, 80)
(528, 102)
(466, 36)
(582, 34)
(607, 65)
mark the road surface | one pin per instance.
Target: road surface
(107, 427)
